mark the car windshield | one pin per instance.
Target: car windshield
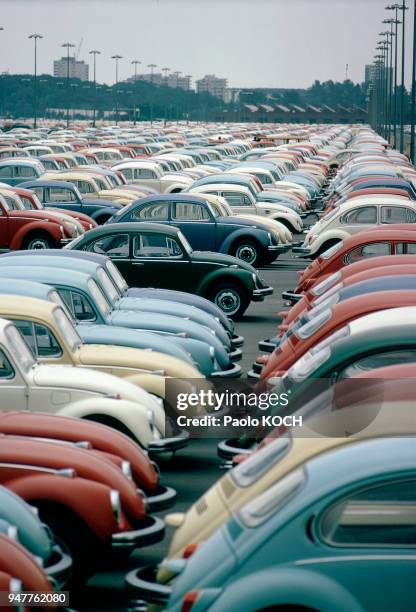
(67, 329)
(117, 277)
(109, 289)
(185, 243)
(53, 296)
(19, 349)
(102, 185)
(27, 203)
(99, 299)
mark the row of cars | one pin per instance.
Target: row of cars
(319, 516)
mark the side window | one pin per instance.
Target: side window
(233, 198)
(364, 214)
(411, 216)
(394, 214)
(11, 203)
(115, 246)
(78, 305)
(144, 173)
(155, 210)
(6, 172)
(406, 248)
(378, 360)
(383, 515)
(25, 171)
(156, 245)
(186, 211)
(6, 370)
(375, 249)
(39, 338)
(39, 192)
(60, 195)
(127, 173)
(84, 186)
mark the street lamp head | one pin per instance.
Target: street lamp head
(68, 45)
(117, 57)
(35, 36)
(95, 52)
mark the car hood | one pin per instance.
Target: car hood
(166, 324)
(181, 310)
(177, 179)
(234, 220)
(221, 259)
(63, 376)
(148, 360)
(118, 194)
(122, 336)
(43, 215)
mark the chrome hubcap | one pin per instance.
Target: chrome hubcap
(228, 300)
(247, 253)
(38, 243)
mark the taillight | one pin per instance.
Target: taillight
(189, 600)
(189, 550)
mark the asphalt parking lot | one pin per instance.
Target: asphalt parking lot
(195, 468)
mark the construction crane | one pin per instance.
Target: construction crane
(79, 47)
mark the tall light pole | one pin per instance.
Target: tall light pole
(379, 90)
(413, 112)
(166, 70)
(1, 92)
(396, 22)
(151, 66)
(35, 38)
(403, 8)
(117, 58)
(94, 53)
(387, 45)
(135, 63)
(68, 46)
(390, 36)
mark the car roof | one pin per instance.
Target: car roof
(48, 183)
(396, 317)
(26, 287)
(27, 305)
(132, 226)
(44, 274)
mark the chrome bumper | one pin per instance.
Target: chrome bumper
(162, 498)
(150, 534)
(237, 341)
(227, 449)
(168, 445)
(253, 375)
(61, 567)
(267, 346)
(232, 371)
(291, 296)
(235, 355)
(260, 294)
(141, 584)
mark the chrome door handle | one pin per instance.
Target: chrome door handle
(137, 263)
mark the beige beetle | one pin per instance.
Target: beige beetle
(53, 339)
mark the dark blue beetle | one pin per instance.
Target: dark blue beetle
(62, 194)
(204, 229)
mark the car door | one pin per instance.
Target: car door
(13, 389)
(158, 260)
(368, 538)
(196, 224)
(4, 228)
(239, 202)
(156, 211)
(358, 219)
(61, 197)
(147, 177)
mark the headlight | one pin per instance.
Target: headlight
(212, 353)
(151, 419)
(126, 469)
(115, 505)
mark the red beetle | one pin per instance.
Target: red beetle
(327, 322)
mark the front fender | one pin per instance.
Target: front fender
(335, 234)
(258, 235)
(47, 227)
(220, 275)
(82, 496)
(131, 416)
(104, 210)
(286, 587)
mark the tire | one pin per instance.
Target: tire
(85, 548)
(39, 240)
(248, 251)
(102, 219)
(231, 298)
(270, 258)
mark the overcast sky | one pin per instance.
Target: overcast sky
(252, 43)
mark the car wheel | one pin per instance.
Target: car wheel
(249, 252)
(230, 298)
(39, 240)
